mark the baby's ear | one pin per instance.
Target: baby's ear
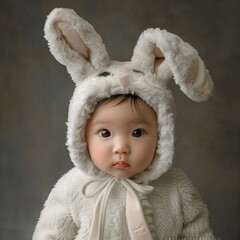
(168, 56)
(74, 43)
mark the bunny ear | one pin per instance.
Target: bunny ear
(74, 43)
(169, 56)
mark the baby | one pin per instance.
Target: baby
(121, 139)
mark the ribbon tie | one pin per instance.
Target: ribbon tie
(136, 222)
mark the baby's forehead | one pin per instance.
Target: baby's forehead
(131, 100)
(131, 108)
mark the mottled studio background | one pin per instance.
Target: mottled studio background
(35, 91)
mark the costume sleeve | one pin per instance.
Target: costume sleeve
(55, 221)
(195, 213)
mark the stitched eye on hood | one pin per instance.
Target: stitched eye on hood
(104, 74)
(137, 71)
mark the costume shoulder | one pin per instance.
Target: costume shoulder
(175, 180)
(171, 178)
(195, 213)
(180, 182)
(67, 183)
(56, 213)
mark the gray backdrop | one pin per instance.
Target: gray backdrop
(35, 91)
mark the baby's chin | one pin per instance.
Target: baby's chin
(122, 174)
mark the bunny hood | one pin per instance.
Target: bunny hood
(158, 57)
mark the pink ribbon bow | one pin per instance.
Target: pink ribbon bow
(136, 222)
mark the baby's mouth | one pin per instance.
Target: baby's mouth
(121, 164)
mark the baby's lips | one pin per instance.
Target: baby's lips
(121, 164)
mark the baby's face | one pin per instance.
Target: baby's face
(121, 139)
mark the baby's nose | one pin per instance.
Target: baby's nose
(121, 147)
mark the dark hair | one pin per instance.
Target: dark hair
(122, 98)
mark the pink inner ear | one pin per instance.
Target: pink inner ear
(71, 37)
(201, 84)
(159, 57)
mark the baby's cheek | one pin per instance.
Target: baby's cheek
(99, 154)
(147, 152)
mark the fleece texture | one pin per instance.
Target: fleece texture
(75, 44)
(174, 209)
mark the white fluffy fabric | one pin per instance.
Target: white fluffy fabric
(181, 62)
(176, 208)
(173, 211)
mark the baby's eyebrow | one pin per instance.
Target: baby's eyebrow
(146, 123)
(106, 122)
(101, 122)
(140, 121)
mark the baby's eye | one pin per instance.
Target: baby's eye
(138, 133)
(104, 133)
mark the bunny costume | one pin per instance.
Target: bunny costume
(158, 203)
